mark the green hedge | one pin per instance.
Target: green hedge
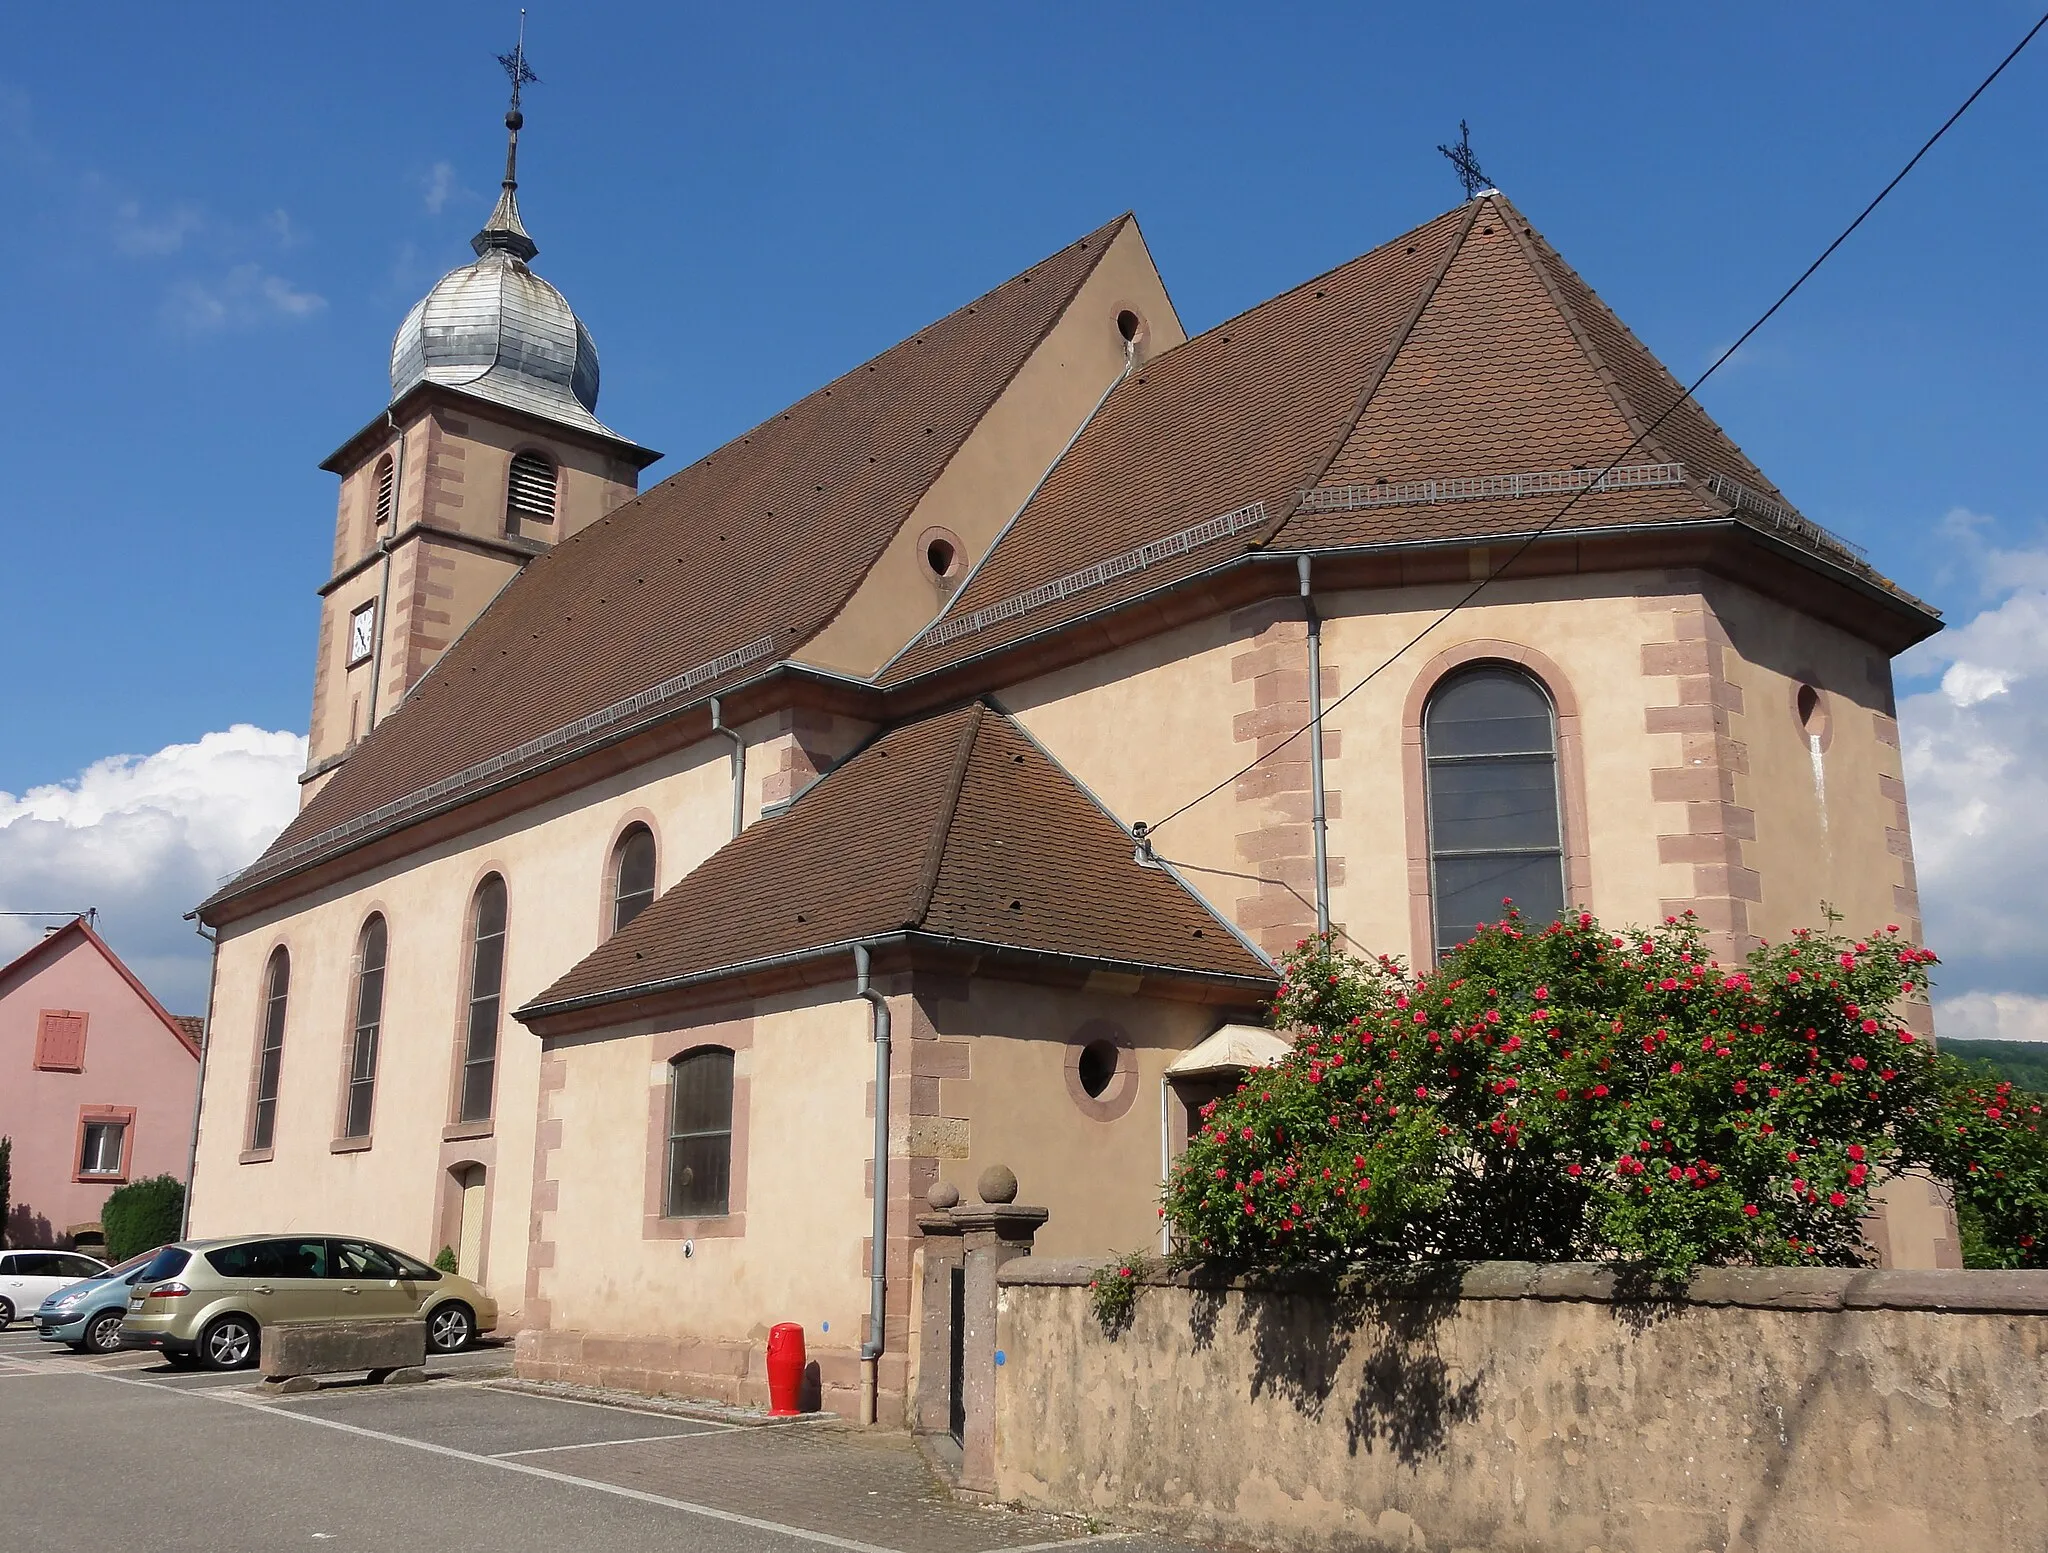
(142, 1215)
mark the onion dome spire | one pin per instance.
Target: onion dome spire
(504, 232)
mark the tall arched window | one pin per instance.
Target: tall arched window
(699, 1134)
(1490, 738)
(486, 993)
(369, 1020)
(277, 986)
(529, 491)
(632, 875)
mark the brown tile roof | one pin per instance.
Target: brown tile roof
(1237, 415)
(765, 538)
(193, 1026)
(958, 827)
(1465, 348)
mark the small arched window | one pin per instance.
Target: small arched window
(486, 994)
(387, 491)
(1490, 739)
(529, 491)
(277, 986)
(632, 875)
(369, 1021)
(699, 1134)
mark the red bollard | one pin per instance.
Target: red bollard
(785, 1369)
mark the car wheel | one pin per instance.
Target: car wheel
(6, 1314)
(451, 1327)
(228, 1343)
(102, 1333)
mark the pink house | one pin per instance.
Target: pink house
(97, 1081)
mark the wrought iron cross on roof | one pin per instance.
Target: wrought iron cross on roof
(515, 64)
(1464, 163)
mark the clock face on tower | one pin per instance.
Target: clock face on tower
(362, 634)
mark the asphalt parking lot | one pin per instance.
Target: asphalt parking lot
(124, 1451)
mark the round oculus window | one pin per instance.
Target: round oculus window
(938, 555)
(1098, 1067)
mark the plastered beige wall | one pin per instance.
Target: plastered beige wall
(1826, 841)
(808, 1141)
(554, 860)
(1098, 1177)
(1007, 454)
(1151, 725)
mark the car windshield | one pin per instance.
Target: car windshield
(166, 1263)
(133, 1264)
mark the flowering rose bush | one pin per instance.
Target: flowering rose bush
(1570, 1093)
(1984, 1138)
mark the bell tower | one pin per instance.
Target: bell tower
(489, 453)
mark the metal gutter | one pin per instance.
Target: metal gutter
(878, 1259)
(900, 938)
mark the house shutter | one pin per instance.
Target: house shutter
(60, 1040)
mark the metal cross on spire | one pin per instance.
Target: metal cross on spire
(1463, 161)
(503, 231)
(515, 63)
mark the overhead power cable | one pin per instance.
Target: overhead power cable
(1320, 713)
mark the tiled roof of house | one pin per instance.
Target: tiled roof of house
(743, 555)
(193, 1026)
(958, 827)
(1464, 353)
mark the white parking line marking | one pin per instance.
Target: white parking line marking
(1070, 1542)
(613, 1407)
(709, 1512)
(591, 1445)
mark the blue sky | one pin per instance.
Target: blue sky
(217, 216)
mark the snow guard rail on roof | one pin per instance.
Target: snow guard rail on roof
(554, 739)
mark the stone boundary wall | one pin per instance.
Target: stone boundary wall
(1517, 1408)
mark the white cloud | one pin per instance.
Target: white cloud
(246, 296)
(1998, 1016)
(279, 225)
(439, 184)
(153, 235)
(145, 838)
(1976, 760)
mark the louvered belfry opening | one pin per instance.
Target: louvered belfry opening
(530, 492)
(386, 490)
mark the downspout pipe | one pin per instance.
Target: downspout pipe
(199, 1090)
(1320, 810)
(878, 1270)
(739, 765)
(384, 549)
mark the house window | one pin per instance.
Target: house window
(632, 875)
(486, 994)
(529, 491)
(699, 1134)
(369, 1019)
(270, 1051)
(1490, 738)
(102, 1147)
(60, 1040)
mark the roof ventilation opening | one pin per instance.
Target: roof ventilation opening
(938, 555)
(1129, 325)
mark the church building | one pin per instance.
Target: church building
(936, 749)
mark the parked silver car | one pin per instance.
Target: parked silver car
(88, 1315)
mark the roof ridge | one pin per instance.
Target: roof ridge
(1521, 229)
(1109, 814)
(942, 822)
(1375, 377)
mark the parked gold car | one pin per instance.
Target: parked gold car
(208, 1301)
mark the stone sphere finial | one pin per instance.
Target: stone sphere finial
(998, 1184)
(943, 1195)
